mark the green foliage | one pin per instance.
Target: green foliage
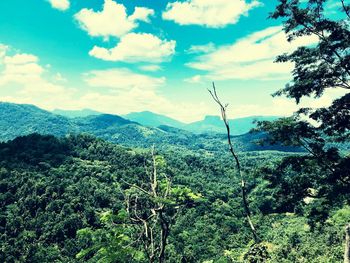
(51, 189)
(290, 239)
(18, 120)
(257, 253)
(323, 172)
(22, 119)
(110, 243)
(324, 65)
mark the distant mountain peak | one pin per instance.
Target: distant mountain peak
(76, 113)
(152, 119)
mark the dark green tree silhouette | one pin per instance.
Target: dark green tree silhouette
(317, 68)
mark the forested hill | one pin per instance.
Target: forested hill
(18, 119)
(209, 124)
(22, 119)
(76, 113)
(50, 188)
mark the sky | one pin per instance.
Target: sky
(121, 56)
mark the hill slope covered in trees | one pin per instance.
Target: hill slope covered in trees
(17, 120)
(51, 188)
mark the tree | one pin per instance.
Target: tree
(320, 67)
(317, 68)
(110, 243)
(223, 108)
(153, 206)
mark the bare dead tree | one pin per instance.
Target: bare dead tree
(149, 213)
(223, 108)
(347, 244)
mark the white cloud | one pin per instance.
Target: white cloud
(122, 91)
(194, 79)
(23, 73)
(151, 68)
(59, 78)
(251, 57)
(137, 99)
(21, 68)
(121, 79)
(3, 49)
(141, 14)
(112, 20)
(280, 106)
(118, 91)
(20, 59)
(195, 49)
(135, 47)
(209, 13)
(60, 4)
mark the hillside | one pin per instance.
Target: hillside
(17, 120)
(210, 124)
(76, 113)
(22, 119)
(102, 121)
(51, 188)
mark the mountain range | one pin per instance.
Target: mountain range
(21, 119)
(209, 124)
(75, 113)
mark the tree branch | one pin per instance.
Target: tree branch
(347, 12)
(223, 109)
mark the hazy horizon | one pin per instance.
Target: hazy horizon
(130, 56)
(57, 110)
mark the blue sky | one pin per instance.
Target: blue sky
(123, 56)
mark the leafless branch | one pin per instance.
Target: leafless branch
(345, 8)
(223, 108)
(150, 212)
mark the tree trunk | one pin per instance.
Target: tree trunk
(238, 164)
(347, 244)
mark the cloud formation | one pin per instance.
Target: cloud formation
(129, 91)
(21, 68)
(194, 79)
(208, 13)
(23, 73)
(113, 20)
(116, 90)
(121, 79)
(3, 49)
(251, 57)
(197, 49)
(61, 5)
(137, 47)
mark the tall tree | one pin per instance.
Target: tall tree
(152, 207)
(223, 108)
(320, 67)
(317, 69)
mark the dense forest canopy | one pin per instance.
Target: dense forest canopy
(53, 188)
